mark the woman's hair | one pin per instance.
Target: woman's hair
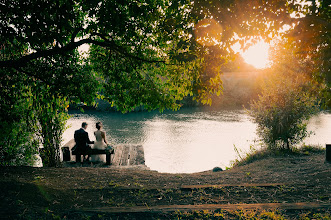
(98, 125)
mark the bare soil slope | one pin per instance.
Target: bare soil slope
(85, 191)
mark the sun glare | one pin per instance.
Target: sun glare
(257, 55)
(208, 32)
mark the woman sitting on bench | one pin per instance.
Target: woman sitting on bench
(100, 143)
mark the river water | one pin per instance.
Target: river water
(189, 140)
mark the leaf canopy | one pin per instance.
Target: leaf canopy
(145, 37)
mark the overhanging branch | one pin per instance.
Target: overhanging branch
(21, 62)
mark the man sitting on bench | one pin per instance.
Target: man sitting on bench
(82, 142)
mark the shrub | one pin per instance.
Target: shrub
(283, 109)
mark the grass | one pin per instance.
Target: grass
(265, 152)
(217, 214)
(249, 214)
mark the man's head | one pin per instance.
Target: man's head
(84, 125)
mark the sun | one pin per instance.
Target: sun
(257, 55)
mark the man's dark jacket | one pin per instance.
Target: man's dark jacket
(82, 140)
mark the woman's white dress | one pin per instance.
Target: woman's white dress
(99, 144)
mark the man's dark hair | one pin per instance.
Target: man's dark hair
(84, 124)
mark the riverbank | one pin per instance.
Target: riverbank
(112, 193)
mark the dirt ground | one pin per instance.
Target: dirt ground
(78, 192)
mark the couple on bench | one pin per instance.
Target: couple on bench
(82, 144)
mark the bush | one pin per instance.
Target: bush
(283, 109)
(18, 144)
(18, 141)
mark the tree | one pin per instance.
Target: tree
(309, 41)
(51, 117)
(17, 138)
(143, 53)
(31, 115)
(300, 63)
(307, 23)
(157, 32)
(283, 109)
(289, 97)
(146, 32)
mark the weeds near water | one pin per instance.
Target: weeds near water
(308, 149)
(255, 154)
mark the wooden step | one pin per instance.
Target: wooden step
(229, 207)
(188, 187)
(128, 155)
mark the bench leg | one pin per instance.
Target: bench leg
(78, 158)
(108, 159)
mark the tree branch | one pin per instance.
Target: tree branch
(122, 51)
(43, 53)
(21, 62)
(36, 77)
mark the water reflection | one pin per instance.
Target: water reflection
(190, 140)
(320, 125)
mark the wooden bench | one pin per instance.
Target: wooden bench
(95, 152)
(124, 155)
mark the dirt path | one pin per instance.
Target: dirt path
(73, 192)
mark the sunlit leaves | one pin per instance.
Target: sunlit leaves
(244, 19)
(136, 33)
(142, 36)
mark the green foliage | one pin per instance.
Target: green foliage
(143, 53)
(138, 41)
(17, 138)
(308, 24)
(128, 85)
(289, 97)
(51, 117)
(31, 114)
(35, 97)
(18, 144)
(314, 42)
(282, 110)
(151, 33)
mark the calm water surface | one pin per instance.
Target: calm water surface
(187, 141)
